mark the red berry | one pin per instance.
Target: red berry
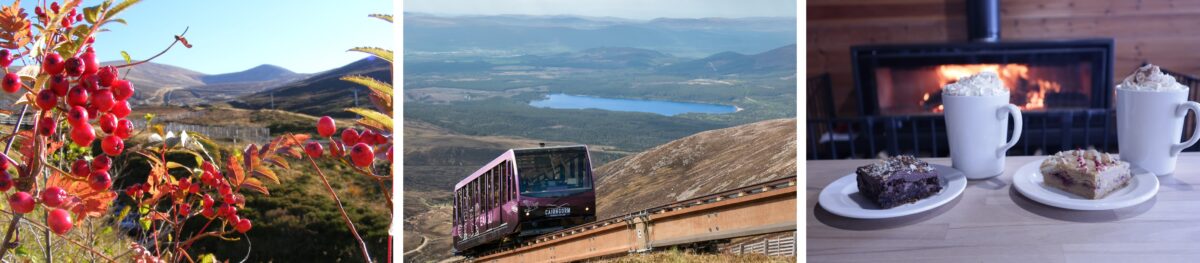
(53, 64)
(185, 209)
(83, 135)
(122, 89)
(21, 202)
(54, 196)
(349, 136)
(103, 100)
(121, 109)
(362, 155)
(124, 129)
(59, 221)
(107, 75)
(233, 219)
(11, 83)
(3, 161)
(314, 149)
(207, 177)
(81, 168)
(77, 116)
(108, 123)
(228, 211)
(207, 201)
(46, 99)
(5, 181)
(388, 154)
(367, 136)
(74, 66)
(100, 181)
(101, 163)
(112, 145)
(208, 212)
(194, 188)
(326, 127)
(335, 149)
(243, 225)
(90, 65)
(77, 96)
(90, 82)
(60, 85)
(47, 126)
(6, 58)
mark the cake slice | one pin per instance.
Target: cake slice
(898, 180)
(1087, 173)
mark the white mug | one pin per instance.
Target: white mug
(976, 126)
(1149, 126)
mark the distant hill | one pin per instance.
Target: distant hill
(322, 93)
(778, 59)
(697, 165)
(603, 57)
(158, 83)
(263, 72)
(553, 34)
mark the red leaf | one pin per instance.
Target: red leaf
(86, 202)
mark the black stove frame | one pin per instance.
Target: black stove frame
(866, 58)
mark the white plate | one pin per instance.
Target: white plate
(1029, 182)
(842, 197)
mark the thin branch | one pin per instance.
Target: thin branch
(362, 245)
(177, 39)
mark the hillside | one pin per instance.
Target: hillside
(775, 60)
(701, 164)
(322, 93)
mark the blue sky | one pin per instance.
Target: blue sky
(229, 36)
(633, 9)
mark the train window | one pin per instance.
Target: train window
(554, 173)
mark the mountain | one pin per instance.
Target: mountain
(161, 83)
(322, 93)
(263, 72)
(603, 57)
(426, 33)
(775, 60)
(697, 165)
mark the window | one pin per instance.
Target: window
(554, 173)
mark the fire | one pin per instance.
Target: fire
(1013, 76)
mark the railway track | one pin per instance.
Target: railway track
(763, 208)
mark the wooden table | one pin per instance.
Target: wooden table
(992, 222)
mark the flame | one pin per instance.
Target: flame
(1010, 74)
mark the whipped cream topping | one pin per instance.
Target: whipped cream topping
(1087, 160)
(1150, 78)
(985, 83)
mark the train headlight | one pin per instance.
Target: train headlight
(526, 213)
(586, 208)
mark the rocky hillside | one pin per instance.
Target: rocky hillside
(322, 93)
(697, 165)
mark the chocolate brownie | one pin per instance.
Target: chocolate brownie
(898, 180)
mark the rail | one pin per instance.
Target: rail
(763, 208)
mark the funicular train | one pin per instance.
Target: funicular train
(523, 193)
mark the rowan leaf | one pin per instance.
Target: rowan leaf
(235, 170)
(373, 119)
(382, 53)
(84, 200)
(385, 17)
(255, 185)
(266, 173)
